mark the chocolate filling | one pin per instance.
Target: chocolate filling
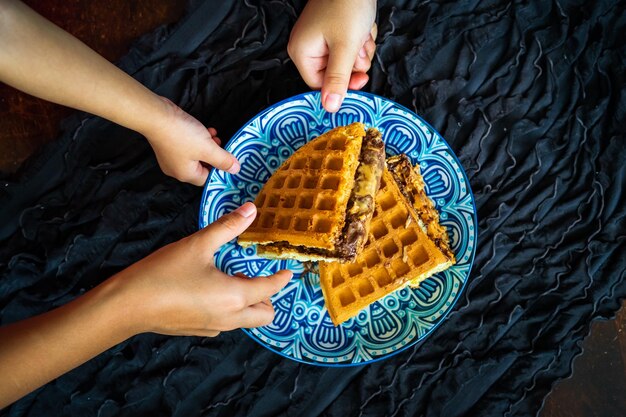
(306, 250)
(360, 204)
(400, 168)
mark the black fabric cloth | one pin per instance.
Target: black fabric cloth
(531, 97)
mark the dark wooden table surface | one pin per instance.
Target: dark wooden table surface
(598, 385)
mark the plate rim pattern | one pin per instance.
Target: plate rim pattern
(435, 136)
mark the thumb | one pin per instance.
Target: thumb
(229, 226)
(219, 158)
(341, 59)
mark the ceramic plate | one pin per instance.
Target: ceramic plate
(302, 329)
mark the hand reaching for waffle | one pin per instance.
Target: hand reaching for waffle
(185, 149)
(182, 293)
(176, 291)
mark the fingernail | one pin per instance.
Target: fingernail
(235, 167)
(333, 102)
(363, 53)
(246, 210)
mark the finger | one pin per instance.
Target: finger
(213, 133)
(314, 78)
(341, 59)
(259, 289)
(370, 48)
(267, 301)
(309, 67)
(256, 315)
(219, 158)
(374, 31)
(200, 175)
(229, 226)
(364, 59)
(362, 64)
(358, 80)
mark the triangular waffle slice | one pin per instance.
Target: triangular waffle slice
(398, 251)
(318, 204)
(412, 186)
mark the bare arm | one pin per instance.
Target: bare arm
(177, 291)
(43, 60)
(35, 351)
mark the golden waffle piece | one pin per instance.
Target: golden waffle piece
(302, 207)
(412, 185)
(398, 252)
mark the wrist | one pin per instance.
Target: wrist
(113, 301)
(156, 117)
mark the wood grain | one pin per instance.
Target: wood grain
(598, 386)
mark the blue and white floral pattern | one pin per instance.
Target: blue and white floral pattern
(302, 329)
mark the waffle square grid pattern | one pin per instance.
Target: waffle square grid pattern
(393, 250)
(304, 189)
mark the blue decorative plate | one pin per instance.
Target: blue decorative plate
(302, 329)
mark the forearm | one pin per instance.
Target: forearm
(37, 350)
(41, 59)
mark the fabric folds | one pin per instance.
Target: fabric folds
(531, 97)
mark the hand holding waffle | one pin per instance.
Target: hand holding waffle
(182, 293)
(177, 291)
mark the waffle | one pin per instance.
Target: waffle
(305, 207)
(398, 252)
(413, 188)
